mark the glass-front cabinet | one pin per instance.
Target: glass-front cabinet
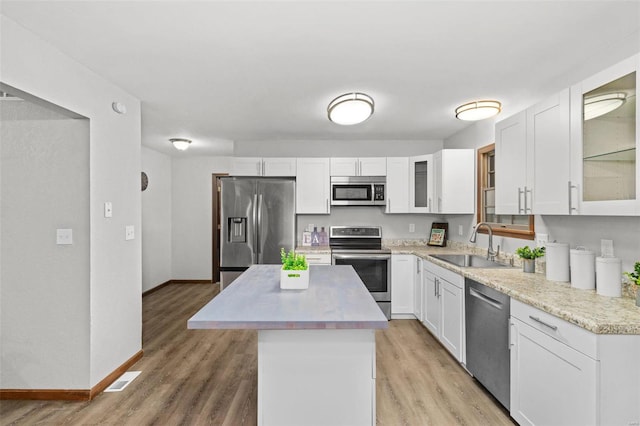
(421, 175)
(604, 140)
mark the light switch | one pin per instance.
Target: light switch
(129, 232)
(542, 240)
(412, 227)
(460, 230)
(64, 236)
(108, 209)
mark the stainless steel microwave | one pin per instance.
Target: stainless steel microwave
(358, 190)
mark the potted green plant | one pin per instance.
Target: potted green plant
(294, 274)
(634, 276)
(529, 257)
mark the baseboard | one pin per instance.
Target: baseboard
(156, 288)
(403, 316)
(70, 394)
(190, 281)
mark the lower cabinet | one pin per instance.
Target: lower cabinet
(443, 305)
(563, 374)
(318, 258)
(402, 285)
(418, 290)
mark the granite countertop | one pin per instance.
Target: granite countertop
(585, 308)
(336, 299)
(313, 249)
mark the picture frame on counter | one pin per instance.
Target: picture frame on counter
(438, 235)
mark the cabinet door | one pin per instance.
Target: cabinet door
(551, 383)
(372, 166)
(278, 166)
(452, 319)
(397, 185)
(421, 184)
(344, 167)
(246, 166)
(312, 186)
(549, 141)
(431, 304)
(511, 165)
(402, 284)
(455, 179)
(606, 159)
(417, 290)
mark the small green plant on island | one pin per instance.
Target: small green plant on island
(292, 261)
(528, 253)
(634, 276)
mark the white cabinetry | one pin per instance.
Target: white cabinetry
(564, 374)
(312, 186)
(605, 154)
(402, 276)
(367, 166)
(253, 166)
(397, 185)
(418, 287)
(512, 168)
(454, 181)
(421, 184)
(317, 258)
(444, 307)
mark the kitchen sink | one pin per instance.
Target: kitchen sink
(470, 261)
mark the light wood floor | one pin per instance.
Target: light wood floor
(201, 377)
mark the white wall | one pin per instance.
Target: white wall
(45, 186)
(192, 215)
(585, 230)
(113, 310)
(156, 219)
(335, 148)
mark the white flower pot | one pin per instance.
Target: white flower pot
(294, 280)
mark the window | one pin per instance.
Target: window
(515, 226)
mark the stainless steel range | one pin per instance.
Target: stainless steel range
(361, 247)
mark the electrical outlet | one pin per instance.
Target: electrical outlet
(460, 230)
(542, 240)
(129, 232)
(64, 236)
(412, 227)
(108, 209)
(606, 247)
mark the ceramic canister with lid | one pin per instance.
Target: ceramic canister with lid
(583, 268)
(609, 276)
(557, 255)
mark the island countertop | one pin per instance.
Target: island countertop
(336, 299)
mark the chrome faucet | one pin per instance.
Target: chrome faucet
(491, 254)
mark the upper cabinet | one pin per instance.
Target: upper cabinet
(313, 186)
(253, 166)
(421, 184)
(604, 140)
(533, 157)
(397, 188)
(366, 166)
(454, 181)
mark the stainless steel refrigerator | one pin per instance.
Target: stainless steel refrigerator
(258, 218)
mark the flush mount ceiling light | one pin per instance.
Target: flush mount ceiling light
(180, 144)
(350, 108)
(595, 106)
(478, 110)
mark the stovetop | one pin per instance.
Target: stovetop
(364, 239)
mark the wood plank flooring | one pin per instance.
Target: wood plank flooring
(209, 377)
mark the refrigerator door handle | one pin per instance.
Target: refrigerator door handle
(255, 224)
(259, 229)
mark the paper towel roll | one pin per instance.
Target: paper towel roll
(583, 269)
(608, 276)
(557, 255)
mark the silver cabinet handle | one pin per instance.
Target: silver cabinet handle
(327, 207)
(571, 208)
(520, 201)
(429, 204)
(546, 324)
(388, 205)
(530, 190)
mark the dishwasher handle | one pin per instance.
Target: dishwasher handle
(473, 292)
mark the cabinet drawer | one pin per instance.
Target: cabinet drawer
(445, 274)
(318, 259)
(559, 329)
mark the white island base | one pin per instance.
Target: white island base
(316, 377)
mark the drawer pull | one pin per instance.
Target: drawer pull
(546, 324)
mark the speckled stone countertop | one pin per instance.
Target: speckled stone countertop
(585, 308)
(336, 299)
(313, 249)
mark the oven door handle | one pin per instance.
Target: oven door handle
(362, 256)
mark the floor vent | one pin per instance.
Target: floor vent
(123, 381)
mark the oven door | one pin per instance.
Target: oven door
(373, 269)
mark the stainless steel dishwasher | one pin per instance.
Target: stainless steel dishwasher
(487, 338)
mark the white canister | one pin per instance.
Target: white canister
(608, 276)
(557, 255)
(583, 269)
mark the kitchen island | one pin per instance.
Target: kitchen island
(316, 347)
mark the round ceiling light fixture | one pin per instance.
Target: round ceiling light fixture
(595, 106)
(350, 108)
(478, 110)
(180, 144)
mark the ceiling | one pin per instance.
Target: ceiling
(223, 71)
